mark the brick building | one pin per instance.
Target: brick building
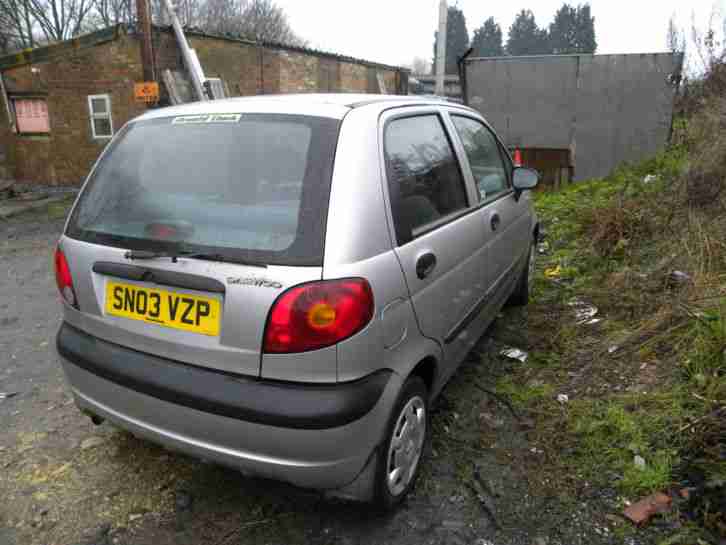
(64, 101)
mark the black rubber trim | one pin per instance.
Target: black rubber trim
(158, 276)
(281, 404)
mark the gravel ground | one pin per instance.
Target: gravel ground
(64, 481)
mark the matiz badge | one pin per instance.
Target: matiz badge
(254, 281)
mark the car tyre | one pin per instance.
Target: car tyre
(521, 294)
(400, 457)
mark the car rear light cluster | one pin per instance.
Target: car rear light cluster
(318, 314)
(63, 278)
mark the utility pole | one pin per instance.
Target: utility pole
(144, 24)
(441, 49)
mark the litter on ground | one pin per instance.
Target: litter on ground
(514, 354)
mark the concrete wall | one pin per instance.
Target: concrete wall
(605, 109)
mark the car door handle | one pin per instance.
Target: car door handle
(495, 221)
(425, 265)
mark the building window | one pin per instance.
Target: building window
(99, 109)
(31, 115)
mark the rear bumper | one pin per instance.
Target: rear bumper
(317, 436)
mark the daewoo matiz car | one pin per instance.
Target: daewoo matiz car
(283, 284)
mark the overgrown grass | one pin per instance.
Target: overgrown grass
(649, 380)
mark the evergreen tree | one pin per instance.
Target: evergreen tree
(525, 37)
(586, 30)
(487, 40)
(573, 30)
(457, 40)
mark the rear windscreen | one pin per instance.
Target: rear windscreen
(248, 187)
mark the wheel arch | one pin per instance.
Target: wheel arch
(427, 370)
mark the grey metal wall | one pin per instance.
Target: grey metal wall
(605, 108)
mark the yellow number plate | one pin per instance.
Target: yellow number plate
(163, 307)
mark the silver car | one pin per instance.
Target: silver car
(283, 284)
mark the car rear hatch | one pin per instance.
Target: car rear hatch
(190, 227)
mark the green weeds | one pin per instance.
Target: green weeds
(649, 382)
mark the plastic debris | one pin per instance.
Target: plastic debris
(639, 462)
(7, 395)
(553, 272)
(92, 442)
(563, 398)
(679, 278)
(642, 511)
(593, 321)
(514, 354)
(584, 312)
(543, 247)
(613, 349)
(650, 178)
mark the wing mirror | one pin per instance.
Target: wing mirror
(524, 179)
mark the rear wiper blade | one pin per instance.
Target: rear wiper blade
(148, 254)
(210, 256)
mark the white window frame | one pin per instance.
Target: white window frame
(92, 115)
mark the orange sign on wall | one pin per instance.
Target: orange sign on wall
(146, 92)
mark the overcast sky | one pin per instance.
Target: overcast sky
(396, 31)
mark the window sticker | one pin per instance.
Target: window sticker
(206, 118)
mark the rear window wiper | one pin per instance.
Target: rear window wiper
(148, 254)
(174, 255)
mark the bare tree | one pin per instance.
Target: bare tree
(25, 23)
(706, 42)
(16, 25)
(60, 19)
(260, 20)
(111, 12)
(189, 12)
(264, 21)
(221, 16)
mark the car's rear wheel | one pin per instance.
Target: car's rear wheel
(521, 294)
(400, 457)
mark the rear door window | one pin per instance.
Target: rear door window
(252, 187)
(485, 156)
(425, 182)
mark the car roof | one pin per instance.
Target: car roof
(334, 105)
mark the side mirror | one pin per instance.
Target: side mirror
(524, 179)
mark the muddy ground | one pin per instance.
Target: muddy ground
(65, 481)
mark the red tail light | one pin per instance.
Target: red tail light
(63, 278)
(318, 314)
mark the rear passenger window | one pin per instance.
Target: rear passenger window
(485, 157)
(425, 182)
